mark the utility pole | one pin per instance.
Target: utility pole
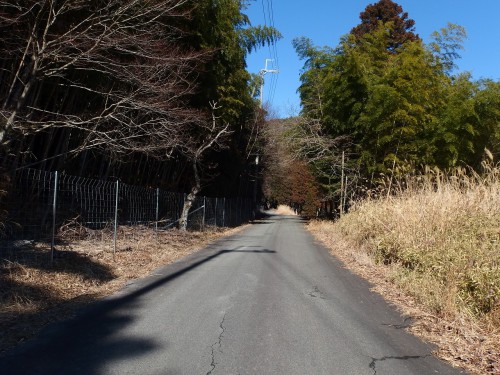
(262, 73)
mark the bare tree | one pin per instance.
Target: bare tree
(115, 68)
(212, 136)
(298, 140)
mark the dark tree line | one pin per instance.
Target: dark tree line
(152, 92)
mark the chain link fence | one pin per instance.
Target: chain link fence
(40, 206)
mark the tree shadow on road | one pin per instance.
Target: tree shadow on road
(91, 340)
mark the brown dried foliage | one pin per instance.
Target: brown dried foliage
(432, 250)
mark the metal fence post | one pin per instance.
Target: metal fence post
(54, 203)
(240, 211)
(116, 218)
(204, 213)
(182, 209)
(157, 207)
(215, 213)
(223, 212)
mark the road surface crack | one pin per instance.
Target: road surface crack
(373, 363)
(213, 364)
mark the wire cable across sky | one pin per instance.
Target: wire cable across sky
(268, 13)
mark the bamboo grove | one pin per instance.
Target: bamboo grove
(383, 102)
(151, 92)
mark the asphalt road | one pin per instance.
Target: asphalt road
(265, 301)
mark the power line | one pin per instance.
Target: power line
(268, 12)
(262, 73)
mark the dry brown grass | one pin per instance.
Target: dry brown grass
(433, 249)
(34, 292)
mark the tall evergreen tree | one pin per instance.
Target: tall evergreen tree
(385, 11)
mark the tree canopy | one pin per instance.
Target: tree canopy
(388, 103)
(101, 88)
(383, 12)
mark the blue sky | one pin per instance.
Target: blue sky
(325, 21)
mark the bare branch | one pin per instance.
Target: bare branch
(121, 76)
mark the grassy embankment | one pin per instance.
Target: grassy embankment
(434, 250)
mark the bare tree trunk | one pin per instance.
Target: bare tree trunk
(188, 203)
(189, 200)
(214, 138)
